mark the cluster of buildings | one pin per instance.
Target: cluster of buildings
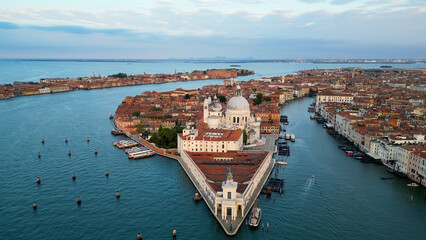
(217, 105)
(56, 85)
(221, 125)
(381, 112)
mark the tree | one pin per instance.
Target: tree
(222, 98)
(118, 75)
(254, 89)
(166, 137)
(157, 109)
(154, 138)
(268, 99)
(244, 136)
(139, 128)
(187, 96)
(136, 113)
(257, 101)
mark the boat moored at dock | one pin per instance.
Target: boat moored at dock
(287, 137)
(412, 185)
(142, 154)
(125, 144)
(136, 149)
(293, 137)
(255, 217)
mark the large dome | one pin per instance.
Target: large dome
(238, 103)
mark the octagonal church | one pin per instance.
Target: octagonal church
(237, 115)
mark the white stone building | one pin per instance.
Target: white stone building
(237, 115)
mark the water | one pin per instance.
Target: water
(20, 70)
(346, 200)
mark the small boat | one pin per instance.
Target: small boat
(116, 132)
(312, 117)
(320, 120)
(412, 185)
(386, 178)
(293, 137)
(255, 217)
(197, 197)
(281, 163)
(111, 116)
(142, 154)
(287, 137)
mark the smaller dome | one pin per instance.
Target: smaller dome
(215, 107)
(238, 103)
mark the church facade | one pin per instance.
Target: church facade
(237, 115)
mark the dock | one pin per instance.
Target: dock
(274, 185)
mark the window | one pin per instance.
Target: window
(229, 195)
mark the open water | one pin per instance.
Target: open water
(347, 200)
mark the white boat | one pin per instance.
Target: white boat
(287, 137)
(136, 149)
(131, 155)
(293, 137)
(255, 217)
(281, 163)
(413, 185)
(142, 155)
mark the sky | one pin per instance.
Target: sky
(261, 29)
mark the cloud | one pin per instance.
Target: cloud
(66, 29)
(341, 2)
(311, 1)
(8, 25)
(308, 24)
(164, 31)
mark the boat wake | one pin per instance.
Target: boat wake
(309, 183)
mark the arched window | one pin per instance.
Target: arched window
(234, 119)
(238, 119)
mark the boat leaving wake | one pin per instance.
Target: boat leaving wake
(309, 183)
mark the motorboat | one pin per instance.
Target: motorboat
(255, 217)
(412, 185)
(287, 136)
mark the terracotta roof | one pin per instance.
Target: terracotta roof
(243, 166)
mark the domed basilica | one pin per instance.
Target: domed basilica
(237, 115)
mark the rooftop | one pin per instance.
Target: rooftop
(215, 167)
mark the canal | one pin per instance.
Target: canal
(347, 200)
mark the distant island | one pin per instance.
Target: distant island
(56, 85)
(236, 60)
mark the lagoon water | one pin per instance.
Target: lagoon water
(347, 200)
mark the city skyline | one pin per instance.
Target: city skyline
(210, 28)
